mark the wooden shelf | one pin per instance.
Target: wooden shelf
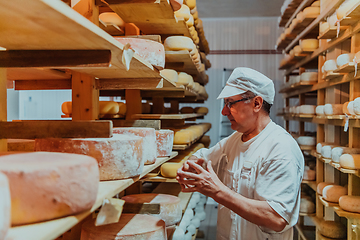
(332, 75)
(168, 116)
(305, 232)
(326, 203)
(160, 179)
(54, 228)
(331, 33)
(304, 4)
(347, 68)
(296, 86)
(311, 184)
(346, 214)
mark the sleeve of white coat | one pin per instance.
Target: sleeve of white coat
(278, 183)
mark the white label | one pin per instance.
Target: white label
(110, 211)
(127, 55)
(346, 126)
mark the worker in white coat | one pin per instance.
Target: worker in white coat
(254, 174)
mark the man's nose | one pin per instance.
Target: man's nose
(225, 111)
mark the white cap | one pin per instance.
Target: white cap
(244, 79)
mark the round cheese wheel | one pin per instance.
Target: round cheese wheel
(149, 140)
(46, 185)
(326, 151)
(195, 14)
(170, 169)
(185, 79)
(112, 18)
(300, 16)
(183, 13)
(297, 50)
(309, 174)
(320, 187)
(164, 142)
(307, 109)
(320, 110)
(309, 43)
(122, 108)
(332, 193)
(287, 31)
(66, 107)
(169, 74)
(332, 229)
(203, 110)
(5, 206)
(350, 203)
(350, 161)
(190, 22)
(324, 27)
(306, 206)
(183, 137)
(332, 20)
(306, 141)
(344, 8)
(309, 76)
(345, 110)
(344, 59)
(311, 11)
(176, 43)
(330, 65)
(118, 157)
(333, 109)
(316, 4)
(185, 110)
(129, 227)
(336, 152)
(350, 108)
(191, 3)
(170, 207)
(108, 107)
(356, 106)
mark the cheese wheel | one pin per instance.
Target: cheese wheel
(151, 51)
(122, 108)
(164, 142)
(332, 193)
(129, 227)
(191, 3)
(320, 110)
(108, 107)
(306, 141)
(199, 24)
(332, 229)
(356, 106)
(66, 107)
(195, 14)
(45, 185)
(307, 109)
(320, 187)
(170, 207)
(350, 108)
(169, 74)
(185, 79)
(20, 145)
(350, 161)
(309, 174)
(112, 18)
(320, 145)
(345, 110)
(183, 137)
(183, 13)
(311, 11)
(344, 8)
(333, 109)
(176, 43)
(170, 169)
(203, 110)
(306, 206)
(297, 50)
(287, 31)
(326, 151)
(190, 22)
(300, 16)
(344, 59)
(309, 43)
(309, 76)
(332, 20)
(5, 206)
(324, 27)
(330, 65)
(149, 140)
(316, 4)
(118, 157)
(185, 110)
(350, 203)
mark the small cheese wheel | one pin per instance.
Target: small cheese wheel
(356, 58)
(333, 109)
(309, 43)
(332, 193)
(307, 109)
(309, 174)
(332, 229)
(320, 145)
(332, 20)
(287, 31)
(122, 108)
(169, 74)
(330, 65)
(112, 18)
(320, 187)
(66, 107)
(183, 13)
(184, 110)
(129, 227)
(5, 206)
(185, 79)
(345, 108)
(350, 161)
(316, 4)
(192, 11)
(164, 142)
(170, 169)
(326, 151)
(46, 185)
(170, 207)
(350, 108)
(108, 107)
(350, 203)
(300, 16)
(195, 14)
(306, 206)
(356, 106)
(190, 22)
(306, 141)
(311, 11)
(308, 76)
(297, 50)
(199, 23)
(177, 43)
(344, 59)
(203, 110)
(324, 27)
(320, 110)
(191, 3)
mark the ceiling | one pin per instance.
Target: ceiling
(238, 8)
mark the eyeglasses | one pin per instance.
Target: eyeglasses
(229, 104)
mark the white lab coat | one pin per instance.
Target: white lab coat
(268, 167)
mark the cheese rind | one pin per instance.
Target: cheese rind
(333, 109)
(306, 206)
(118, 157)
(320, 110)
(5, 206)
(308, 76)
(309, 174)
(345, 58)
(350, 161)
(306, 141)
(332, 193)
(332, 229)
(46, 185)
(309, 44)
(108, 107)
(176, 43)
(169, 74)
(164, 142)
(321, 186)
(356, 106)
(350, 203)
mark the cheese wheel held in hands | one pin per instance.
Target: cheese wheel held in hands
(332, 193)
(170, 169)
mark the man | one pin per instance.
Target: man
(254, 174)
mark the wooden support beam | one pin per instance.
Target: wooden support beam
(137, 123)
(133, 103)
(128, 83)
(158, 105)
(56, 128)
(141, 208)
(3, 105)
(43, 84)
(55, 58)
(174, 107)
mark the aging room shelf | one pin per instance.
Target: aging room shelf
(169, 116)
(54, 228)
(311, 184)
(304, 4)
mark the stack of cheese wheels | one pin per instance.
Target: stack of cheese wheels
(5, 206)
(151, 51)
(105, 108)
(332, 193)
(186, 110)
(350, 161)
(344, 59)
(332, 229)
(185, 79)
(164, 142)
(306, 141)
(169, 74)
(309, 174)
(321, 185)
(47, 185)
(307, 109)
(111, 18)
(333, 109)
(336, 152)
(306, 205)
(320, 110)
(330, 65)
(129, 227)
(118, 157)
(350, 203)
(309, 77)
(170, 207)
(149, 141)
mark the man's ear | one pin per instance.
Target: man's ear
(258, 102)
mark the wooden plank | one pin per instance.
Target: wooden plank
(43, 84)
(137, 123)
(347, 68)
(331, 33)
(143, 83)
(111, 29)
(326, 203)
(55, 58)
(168, 116)
(133, 103)
(3, 105)
(332, 75)
(36, 74)
(156, 38)
(180, 61)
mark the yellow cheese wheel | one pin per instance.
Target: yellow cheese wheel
(350, 203)
(185, 79)
(169, 74)
(311, 11)
(176, 43)
(122, 108)
(112, 18)
(183, 13)
(316, 4)
(191, 3)
(108, 107)
(332, 193)
(350, 161)
(309, 43)
(332, 229)
(66, 108)
(170, 169)
(300, 16)
(190, 21)
(297, 50)
(195, 14)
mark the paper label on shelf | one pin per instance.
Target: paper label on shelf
(355, 64)
(338, 28)
(346, 126)
(110, 211)
(127, 55)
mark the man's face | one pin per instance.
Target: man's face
(240, 113)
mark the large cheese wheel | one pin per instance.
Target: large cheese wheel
(309, 43)
(350, 161)
(122, 108)
(66, 107)
(311, 11)
(185, 79)
(307, 109)
(183, 13)
(169, 74)
(309, 174)
(344, 59)
(309, 76)
(5, 206)
(330, 65)
(118, 157)
(47, 185)
(350, 108)
(350, 203)
(338, 151)
(332, 229)
(112, 18)
(149, 140)
(321, 185)
(108, 107)
(151, 51)
(164, 142)
(332, 193)
(356, 106)
(306, 206)
(320, 110)
(170, 207)
(129, 227)
(306, 141)
(176, 43)
(333, 109)
(170, 169)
